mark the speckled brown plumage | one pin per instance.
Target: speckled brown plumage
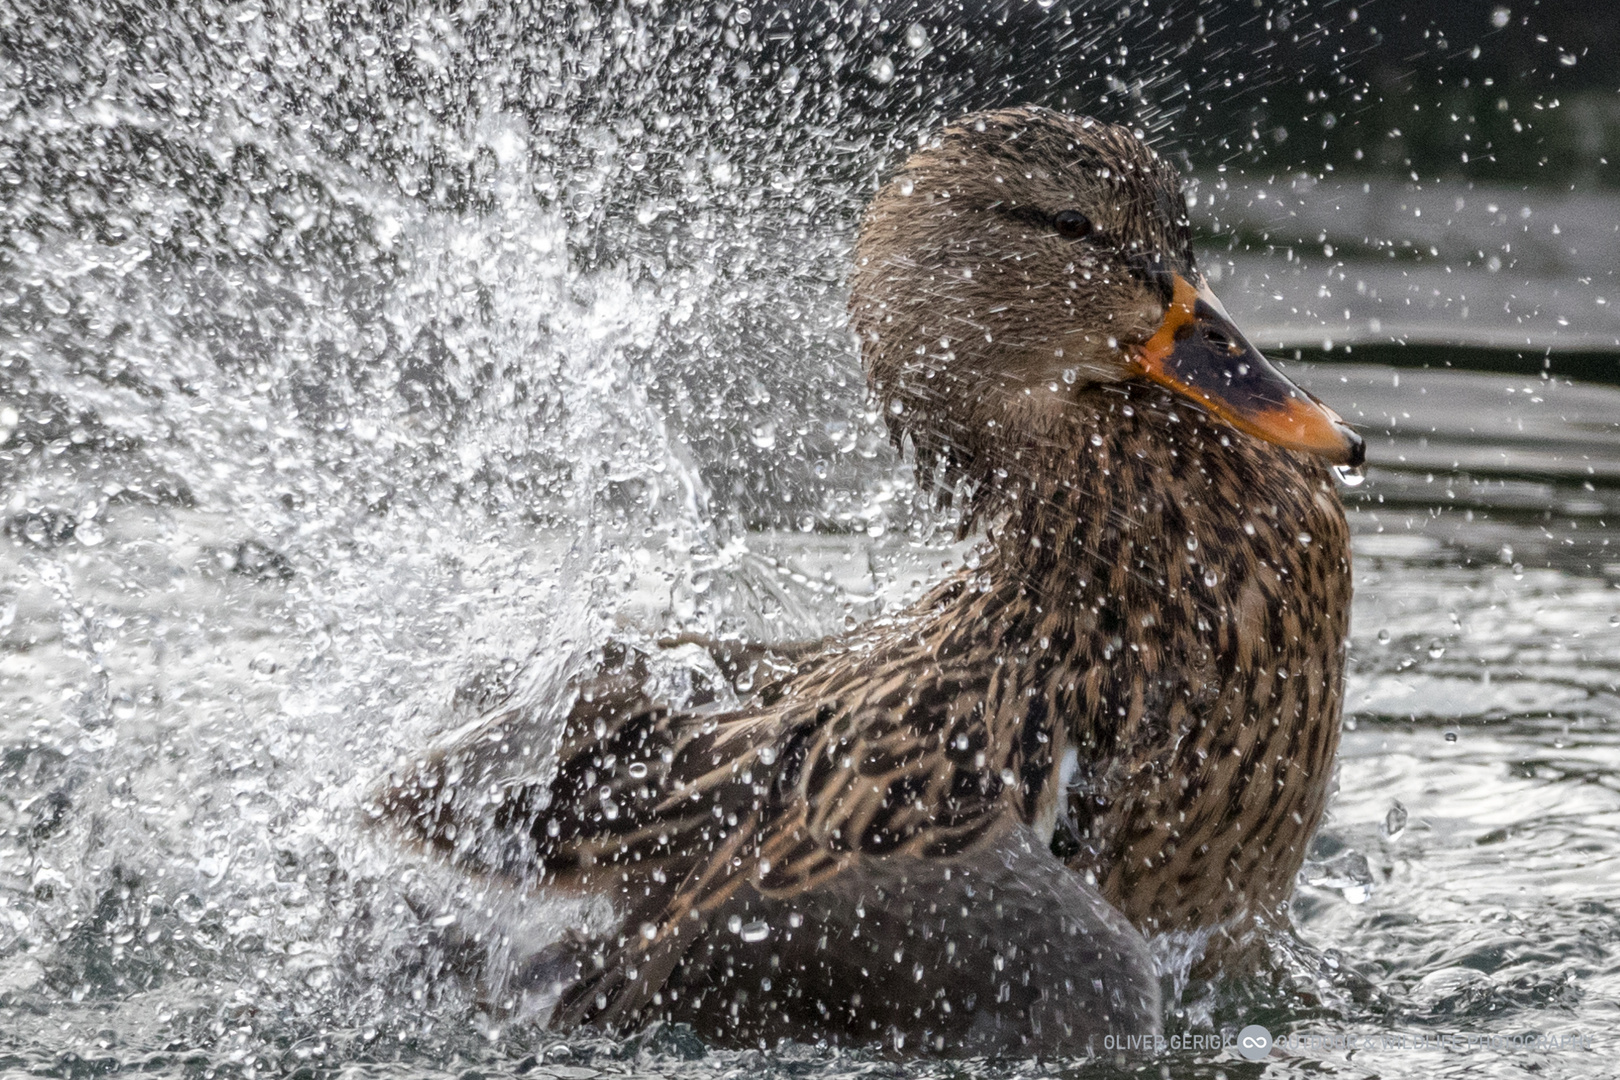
(1200, 586)
(1161, 602)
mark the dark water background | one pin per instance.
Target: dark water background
(354, 360)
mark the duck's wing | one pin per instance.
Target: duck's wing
(473, 798)
(879, 766)
(866, 756)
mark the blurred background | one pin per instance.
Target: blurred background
(362, 365)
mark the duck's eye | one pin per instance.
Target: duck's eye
(1073, 224)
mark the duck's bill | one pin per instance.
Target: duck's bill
(1198, 353)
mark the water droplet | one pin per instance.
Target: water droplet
(1451, 736)
(907, 185)
(734, 924)
(1096, 440)
(649, 930)
(1348, 873)
(755, 931)
(1436, 650)
(916, 37)
(882, 69)
(1351, 477)
(638, 770)
(1305, 539)
(1211, 578)
(1614, 620)
(1395, 821)
(1383, 637)
(636, 160)
(763, 435)
(767, 755)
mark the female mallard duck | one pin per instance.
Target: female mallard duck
(953, 829)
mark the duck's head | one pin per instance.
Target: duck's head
(1023, 259)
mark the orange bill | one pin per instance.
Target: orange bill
(1198, 353)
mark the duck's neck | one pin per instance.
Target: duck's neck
(1195, 584)
(1126, 501)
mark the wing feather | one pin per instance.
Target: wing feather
(672, 813)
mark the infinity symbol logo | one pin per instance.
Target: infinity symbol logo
(1254, 1042)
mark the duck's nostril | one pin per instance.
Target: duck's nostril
(1219, 339)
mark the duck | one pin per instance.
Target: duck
(959, 828)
